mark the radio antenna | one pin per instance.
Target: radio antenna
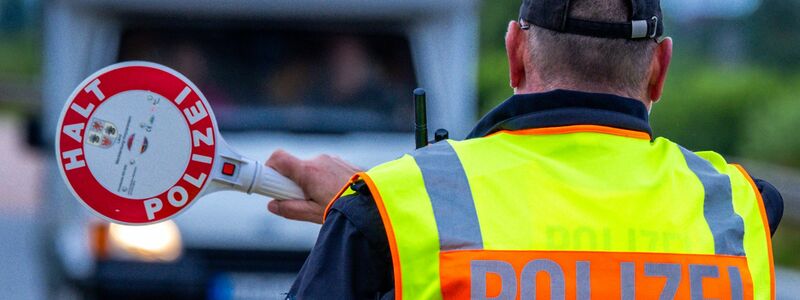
(421, 122)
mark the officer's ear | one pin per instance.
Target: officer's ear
(658, 69)
(516, 49)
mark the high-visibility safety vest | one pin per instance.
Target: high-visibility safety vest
(576, 212)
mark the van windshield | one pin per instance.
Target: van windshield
(274, 78)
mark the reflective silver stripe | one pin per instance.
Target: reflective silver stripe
(673, 274)
(628, 281)
(528, 279)
(583, 270)
(451, 197)
(478, 271)
(737, 291)
(696, 275)
(726, 226)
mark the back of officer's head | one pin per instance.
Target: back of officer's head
(564, 60)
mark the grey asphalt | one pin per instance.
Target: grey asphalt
(787, 285)
(21, 274)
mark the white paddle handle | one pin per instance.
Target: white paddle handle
(271, 184)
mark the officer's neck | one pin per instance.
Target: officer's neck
(533, 88)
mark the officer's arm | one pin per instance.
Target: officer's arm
(351, 259)
(773, 203)
(320, 178)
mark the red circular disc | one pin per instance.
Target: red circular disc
(136, 143)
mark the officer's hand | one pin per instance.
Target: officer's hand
(320, 178)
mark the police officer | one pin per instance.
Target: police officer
(561, 192)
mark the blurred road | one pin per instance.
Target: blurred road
(787, 285)
(21, 274)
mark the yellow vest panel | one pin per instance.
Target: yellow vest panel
(578, 212)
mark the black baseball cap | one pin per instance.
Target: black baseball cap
(645, 20)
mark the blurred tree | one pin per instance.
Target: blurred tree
(20, 44)
(705, 106)
(774, 35)
(493, 84)
(772, 133)
(12, 15)
(739, 103)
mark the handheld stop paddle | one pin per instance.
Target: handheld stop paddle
(137, 143)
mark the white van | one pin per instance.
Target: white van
(307, 76)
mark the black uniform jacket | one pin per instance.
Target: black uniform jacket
(351, 259)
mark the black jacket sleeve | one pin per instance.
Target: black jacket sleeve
(773, 203)
(351, 259)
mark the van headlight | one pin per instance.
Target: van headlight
(160, 242)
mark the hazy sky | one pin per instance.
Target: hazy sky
(682, 10)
